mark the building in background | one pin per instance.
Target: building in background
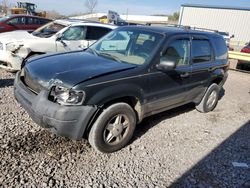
(235, 21)
(139, 19)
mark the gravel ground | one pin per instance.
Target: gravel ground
(177, 148)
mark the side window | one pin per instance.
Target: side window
(36, 21)
(201, 51)
(75, 33)
(30, 21)
(220, 48)
(178, 51)
(16, 21)
(95, 33)
(43, 21)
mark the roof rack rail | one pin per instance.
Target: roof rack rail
(187, 27)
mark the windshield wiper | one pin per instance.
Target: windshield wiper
(110, 56)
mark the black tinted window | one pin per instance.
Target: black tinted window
(220, 48)
(201, 51)
(95, 33)
(32, 21)
(44, 21)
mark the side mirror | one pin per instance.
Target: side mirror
(232, 36)
(166, 66)
(59, 37)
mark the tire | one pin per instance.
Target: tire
(209, 100)
(113, 129)
(239, 66)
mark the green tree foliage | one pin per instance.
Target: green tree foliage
(174, 17)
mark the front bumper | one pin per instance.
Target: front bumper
(10, 61)
(67, 121)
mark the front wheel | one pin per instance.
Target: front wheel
(113, 128)
(210, 99)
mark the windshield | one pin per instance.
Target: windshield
(48, 30)
(4, 18)
(129, 46)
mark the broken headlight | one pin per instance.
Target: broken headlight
(65, 96)
(12, 47)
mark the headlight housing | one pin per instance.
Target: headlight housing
(13, 47)
(65, 96)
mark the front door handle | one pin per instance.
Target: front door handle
(184, 75)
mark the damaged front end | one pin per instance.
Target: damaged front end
(12, 55)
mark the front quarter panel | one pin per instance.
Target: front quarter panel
(101, 94)
(42, 45)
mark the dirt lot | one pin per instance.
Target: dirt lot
(177, 148)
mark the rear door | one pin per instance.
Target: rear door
(202, 58)
(168, 89)
(32, 23)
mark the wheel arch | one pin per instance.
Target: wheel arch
(113, 95)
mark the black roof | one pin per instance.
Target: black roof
(170, 29)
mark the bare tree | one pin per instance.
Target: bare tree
(91, 5)
(52, 14)
(4, 6)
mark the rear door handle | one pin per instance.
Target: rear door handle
(184, 75)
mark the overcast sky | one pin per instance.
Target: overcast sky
(145, 7)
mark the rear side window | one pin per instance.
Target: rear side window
(43, 21)
(95, 33)
(201, 51)
(220, 48)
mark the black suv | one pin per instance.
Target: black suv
(131, 73)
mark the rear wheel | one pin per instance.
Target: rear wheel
(209, 100)
(113, 128)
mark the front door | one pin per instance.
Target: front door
(168, 89)
(74, 38)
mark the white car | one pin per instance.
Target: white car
(56, 36)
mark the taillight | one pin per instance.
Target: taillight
(245, 50)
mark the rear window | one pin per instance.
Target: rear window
(220, 48)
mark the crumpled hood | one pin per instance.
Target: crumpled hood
(14, 36)
(70, 68)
